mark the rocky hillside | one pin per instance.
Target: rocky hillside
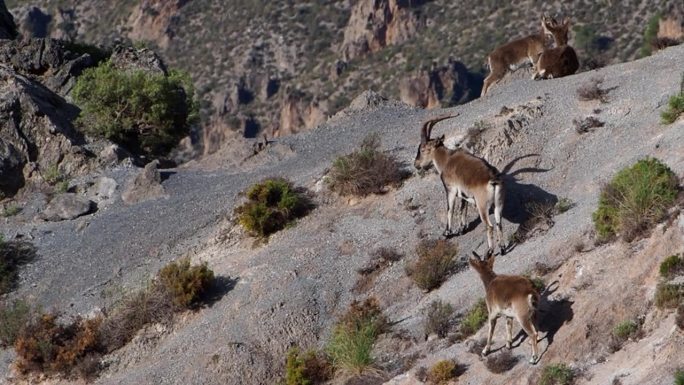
(292, 290)
(281, 66)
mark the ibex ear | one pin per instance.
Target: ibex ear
(440, 140)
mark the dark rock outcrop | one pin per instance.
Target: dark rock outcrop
(8, 30)
(441, 86)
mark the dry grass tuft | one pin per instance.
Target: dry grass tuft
(501, 362)
(436, 261)
(588, 124)
(592, 91)
(439, 318)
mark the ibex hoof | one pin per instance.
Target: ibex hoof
(485, 351)
(447, 233)
(502, 250)
(509, 345)
(533, 360)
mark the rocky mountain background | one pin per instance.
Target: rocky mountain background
(279, 67)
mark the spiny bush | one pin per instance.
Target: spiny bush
(635, 200)
(438, 319)
(442, 372)
(13, 316)
(306, 369)
(436, 261)
(675, 106)
(557, 374)
(592, 90)
(669, 295)
(353, 337)
(672, 266)
(46, 346)
(272, 205)
(148, 113)
(474, 319)
(501, 362)
(365, 171)
(186, 283)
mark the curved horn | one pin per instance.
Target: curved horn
(427, 127)
(477, 255)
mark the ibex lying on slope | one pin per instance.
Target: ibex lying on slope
(515, 54)
(464, 176)
(512, 296)
(561, 60)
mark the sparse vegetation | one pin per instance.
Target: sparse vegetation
(625, 329)
(441, 372)
(501, 362)
(538, 284)
(272, 205)
(52, 175)
(679, 377)
(592, 90)
(354, 335)
(380, 259)
(13, 316)
(650, 34)
(186, 283)
(669, 295)
(557, 374)
(148, 113)
(306, 369)
(436, 261)
(672, 266)
(588, 124)
(635, 200)
(474, 319)
(675, 106)
(11, 210)
(46, 346)
(439, 318)
(366, 170)
(13, 255)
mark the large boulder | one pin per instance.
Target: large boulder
(145, 186)
(67, 206)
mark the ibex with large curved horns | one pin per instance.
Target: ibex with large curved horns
(512, 296)
(466, 176)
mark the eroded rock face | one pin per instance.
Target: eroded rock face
(8, 30)
(375, 24)
(67, 206)
(154, 20)
(298, 113)
(130, 58)
(440, 86)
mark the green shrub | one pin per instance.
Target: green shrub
(271, 206)
(306, 369)
(650, 34)
(679, 377)
(11, 210)
(669, 295)
(13, 316)
(557, 374)
(672, 266)
(635, 200)
(13, 255)
(436, 261)
(148, 113)
(474, 319)
(365, 171)
(353, 337)
(625, 330)
(52, 175)
(442, 372)
(675, 108)
(438, 319)
(186, 283)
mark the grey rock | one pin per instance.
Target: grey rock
(113, 154)
(126, 57)
(11, 162)
(67, 206)
(145, 186)
(103, 191)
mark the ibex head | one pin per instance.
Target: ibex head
(559, 31)
(428, 146)
(479, 264)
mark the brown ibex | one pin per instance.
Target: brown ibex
(515, 54)
(512, 296)
(560, 60)
(464, 176)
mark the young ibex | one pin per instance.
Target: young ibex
(512, 296)
(560, 60)
(515, 54)
(464, 176)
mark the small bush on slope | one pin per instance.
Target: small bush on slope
(13, 255)
(635, 200)
(148, 113)
(353, 337)
(436, 261)
(501, 362)
(365, 171)
(272, 205)
(679, 377)
(669, 295)
(438, 319)
(13, 316)
(675, 106)
(672, 266)
(474, 319)
(442, 372)
(557, 374)
(306, 369)
(186, 283)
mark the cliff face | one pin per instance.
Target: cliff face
(8, 30)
